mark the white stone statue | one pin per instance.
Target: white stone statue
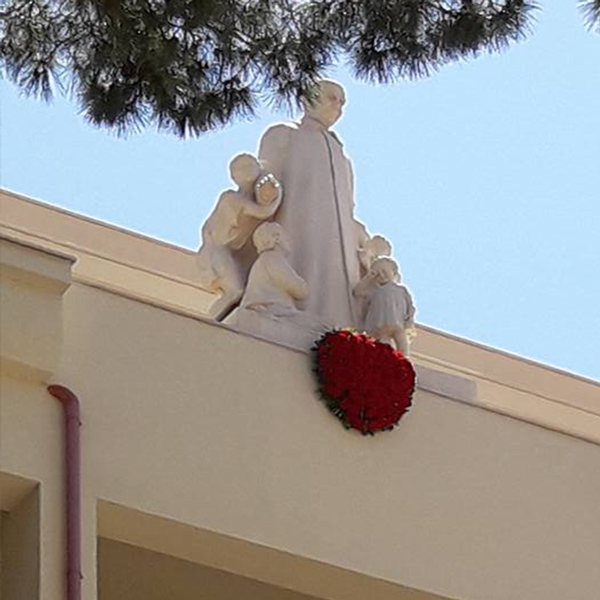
(317, 212)
(372, 248)
(390, 308)
(311, 242)
(229, 227)
(273, 286)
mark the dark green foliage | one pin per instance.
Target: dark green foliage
(388, 40)
(189, 66)
(591, 12)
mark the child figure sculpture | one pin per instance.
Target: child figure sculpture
(229, 227)
(390, 307)
(273, 285)
(372, 248)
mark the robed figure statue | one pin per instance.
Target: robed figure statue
(318, 207)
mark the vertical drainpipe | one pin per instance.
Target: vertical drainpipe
(70, 404)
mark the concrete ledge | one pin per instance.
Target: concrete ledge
(35, 265)
(33, 282)
(164, 276)
(446, 385)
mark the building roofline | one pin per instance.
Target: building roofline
(94, 221)
(508, 354)
(192, 253)
(139, 267)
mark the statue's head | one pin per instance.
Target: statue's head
(385, 269)
(244, 169)
(270, 235)
(325, 102)
(379, 246)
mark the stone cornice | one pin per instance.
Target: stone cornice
(163, 275)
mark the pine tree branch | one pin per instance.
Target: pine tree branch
(591, 13)
(189, 66)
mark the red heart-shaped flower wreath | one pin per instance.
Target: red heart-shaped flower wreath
(366, 384)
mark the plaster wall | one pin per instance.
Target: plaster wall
(222, 432)
(31, 447)
(31, 284)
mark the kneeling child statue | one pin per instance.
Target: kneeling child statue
(273, 286)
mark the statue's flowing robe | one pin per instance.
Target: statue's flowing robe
(317, 214)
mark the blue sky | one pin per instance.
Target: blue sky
(485, 177)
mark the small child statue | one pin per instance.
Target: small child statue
(372, 248)
(273, 285)
(390, 307)
(230, 226)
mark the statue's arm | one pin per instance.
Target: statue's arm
(409, 322)
(251, 209)
(285, 278)
(259, 212)
(364, 287)
(273, 148)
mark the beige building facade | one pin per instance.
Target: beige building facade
(209, 469)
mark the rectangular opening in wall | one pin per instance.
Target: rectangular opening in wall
(127, 572)
(19, 538)
(144, 556)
